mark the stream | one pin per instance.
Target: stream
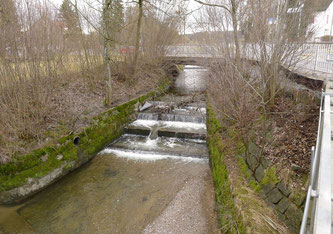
(153, 179)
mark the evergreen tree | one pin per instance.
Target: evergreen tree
(70, 19)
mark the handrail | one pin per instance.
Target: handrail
(319, 191)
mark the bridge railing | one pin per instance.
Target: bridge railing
(317, 57)
(317, 212)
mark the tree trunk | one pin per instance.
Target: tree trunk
(235, 27)
(138, 37)
(108, 97)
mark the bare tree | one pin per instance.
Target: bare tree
(107, 41)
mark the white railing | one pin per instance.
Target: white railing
(318, 199)
(317, 57)
(311, 57)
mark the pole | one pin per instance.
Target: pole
(300, 18)
(331, 29)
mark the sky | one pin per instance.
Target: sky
(192, 4)
(191, 7)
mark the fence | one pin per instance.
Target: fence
(318, 200)
(317, 57)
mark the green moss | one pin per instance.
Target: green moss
(270, 176)
(229, 217)
(105, 128)
(243, 168)
(255, 185)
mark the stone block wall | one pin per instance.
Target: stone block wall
(287, 203)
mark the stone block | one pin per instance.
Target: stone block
(298, 197)
(253, 150)
(283, 205)
(281, 216)
(284, 189)
(265, 162)
(252, 161)
(260, 173)
(294, 215)
(274, 196)
(268, 187)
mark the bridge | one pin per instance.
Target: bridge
(315, 62)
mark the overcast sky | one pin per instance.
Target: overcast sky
(192, 6)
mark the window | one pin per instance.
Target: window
(327, 19)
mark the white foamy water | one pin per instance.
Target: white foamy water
(143, 156)
(168, 124)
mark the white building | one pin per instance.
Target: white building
(323, 22)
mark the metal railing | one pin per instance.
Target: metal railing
(317, 57)
(318, 200)
(311, 57)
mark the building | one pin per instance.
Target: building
(322, 23)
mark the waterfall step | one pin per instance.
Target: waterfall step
(172, 117)
(137, 131)
(152, 155)
(167, 129)
(166, 133)
(162, 145)
(189, 135)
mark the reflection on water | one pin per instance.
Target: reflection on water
(192, 79)
(108, 195)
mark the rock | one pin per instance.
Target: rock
(294, 215)
(60, 157)
(265, 162)
(298, 197)
(274, 196)
(252, 156)
(253, 150)
(115, 112)
(30, 180)
(260, 173)
(268, 187)
(283, 205)
(252, 161)
(281, 216)
(137, 106)
(295, 167)
(284, 189)
(146, 106)
(44, 158)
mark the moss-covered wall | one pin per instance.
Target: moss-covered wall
(260, 174)
(27, 174)
(229, 217)
(287, 203)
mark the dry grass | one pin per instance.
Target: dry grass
(34, 111)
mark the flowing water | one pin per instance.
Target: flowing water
(128, 185)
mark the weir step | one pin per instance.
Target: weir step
(143, 152)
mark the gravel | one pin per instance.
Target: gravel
(191, 211)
